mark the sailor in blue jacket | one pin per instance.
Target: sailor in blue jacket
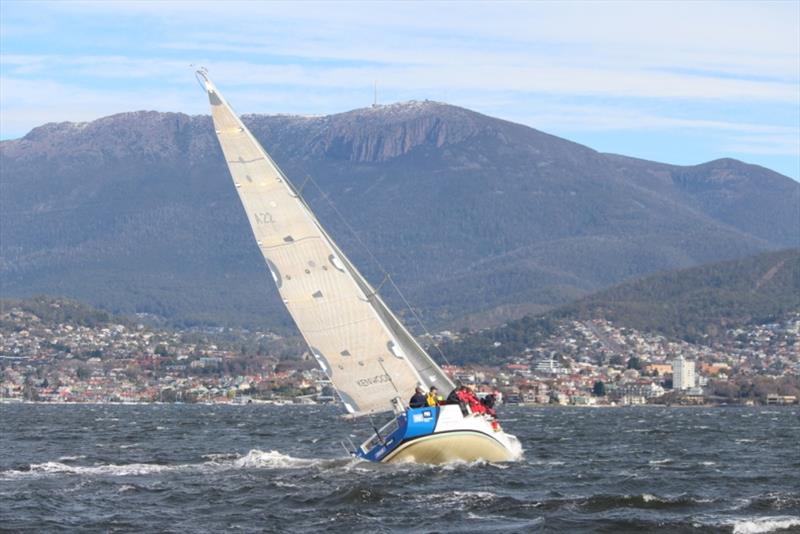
(418, 400)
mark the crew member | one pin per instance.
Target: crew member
(488, 403)
(433, 397)
(468, 398)
(453, 397)
(418, 399)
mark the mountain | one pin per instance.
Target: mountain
(696, 305)
(477, 219)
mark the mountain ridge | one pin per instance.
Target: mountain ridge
(469, 213)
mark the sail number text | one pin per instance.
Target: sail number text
(263, 217)
(380, 379)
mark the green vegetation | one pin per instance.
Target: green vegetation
(496, 346)
(634, 363)
(599, 389)
(49, 312)
(58, 310)
(697, 305)
(754, 388)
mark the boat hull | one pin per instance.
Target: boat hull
(445, 447)
(441, 434)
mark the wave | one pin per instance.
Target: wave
(255, 459)
(516, 448)
(48, 468)
(644, 500)
(72, 458)
(221, 456)
(680, 499)
(765, 524)
(772, 501)
(275, 460)
(462, 495)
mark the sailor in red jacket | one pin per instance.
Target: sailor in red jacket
(469, 398)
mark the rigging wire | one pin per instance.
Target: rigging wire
(387, 276)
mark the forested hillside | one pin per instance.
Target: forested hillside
(697, 305)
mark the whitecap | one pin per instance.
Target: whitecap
(660, 462)
(485, 495)
(220, 456)
(764, 524)
(515, 445)
(273, 459)
(107, 469)
(547, 462)
(463, 499)
(457, 464)
(520, 525)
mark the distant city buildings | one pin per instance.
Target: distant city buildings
(591, 362)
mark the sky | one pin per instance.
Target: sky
(677, 82)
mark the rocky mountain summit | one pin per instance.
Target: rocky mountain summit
(477, 219)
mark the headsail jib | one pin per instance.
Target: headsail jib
(360, 345)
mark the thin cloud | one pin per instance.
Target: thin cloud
(529, 62)
(772, 145)
(483, 76)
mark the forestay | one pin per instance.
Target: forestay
(360, 345)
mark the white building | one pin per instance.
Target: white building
(682, 374)
(550, 366)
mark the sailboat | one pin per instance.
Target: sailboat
(364, 350)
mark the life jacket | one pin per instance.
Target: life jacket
(432, 400)
(469, 399)
(476, 407)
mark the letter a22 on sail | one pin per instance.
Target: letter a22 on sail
(362, 347)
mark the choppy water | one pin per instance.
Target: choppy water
(281, 469)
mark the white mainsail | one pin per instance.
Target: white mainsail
(358, 342)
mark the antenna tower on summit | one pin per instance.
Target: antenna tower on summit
(375, 95)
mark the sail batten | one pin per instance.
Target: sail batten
(361, 346)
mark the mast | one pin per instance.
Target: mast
(361, 346)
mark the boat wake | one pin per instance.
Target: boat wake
(255, 459)
(214, 462)
(516, 449)
(58, 468)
